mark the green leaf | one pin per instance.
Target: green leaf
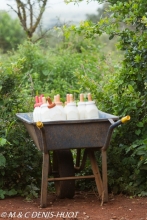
(111, 37)
(2, 194)
(11, 192)
(2, 141)
(140, 124)
(2, 160)
(138, 132)
(130, 87)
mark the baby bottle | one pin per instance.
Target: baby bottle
(67, 101)
(54, 112)
(91, 109)
(45, 114)
(59, 105)
(71, 110)
(81, 107)
(36, 112)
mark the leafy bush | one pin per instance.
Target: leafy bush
(125, 93)
(52, 71)
(20, 162)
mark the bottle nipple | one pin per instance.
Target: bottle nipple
(51, 104)
(81, 97)
(58, 102)
(55, 98)
(43, 100)
(40, 99)
(89, 97)
(36, 99)
(71, 97)
(67, 99)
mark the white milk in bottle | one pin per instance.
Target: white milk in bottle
(91, 109)
(54, 112)
(67, 101)
(36, 112)
(59, 105)
(81, 107)
(71, 110)
(45, 114)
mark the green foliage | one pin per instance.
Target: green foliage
(125, 93)
(20, 162)
(24, 73)
(52, 71)
(11, 32)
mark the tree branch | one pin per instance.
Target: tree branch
(31, 13)
(27, 9)
(42, 9)
(22, 14)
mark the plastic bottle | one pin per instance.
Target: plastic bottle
(81, 107)
(71, 110)
(91, 109)
(36, 112)
(44, 112)
(59, 105)
(54, 112)
(67, 101)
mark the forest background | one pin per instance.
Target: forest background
(105, 55)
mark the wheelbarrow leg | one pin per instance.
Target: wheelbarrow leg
(97, 175)
(44, 184)
(104, 175)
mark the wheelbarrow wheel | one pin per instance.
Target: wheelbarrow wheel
(63, 165)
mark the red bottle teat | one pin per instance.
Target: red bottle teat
(36, 101)
(40, 99)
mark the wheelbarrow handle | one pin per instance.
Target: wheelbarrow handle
(125, 119)
(110, 130)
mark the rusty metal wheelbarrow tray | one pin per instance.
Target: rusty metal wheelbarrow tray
(71, 134)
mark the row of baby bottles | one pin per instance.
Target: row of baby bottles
(46, 110)
(83, 110)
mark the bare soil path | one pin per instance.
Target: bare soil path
(82, 206)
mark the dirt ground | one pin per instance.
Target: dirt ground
(82, 206)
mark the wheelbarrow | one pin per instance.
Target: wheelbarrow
(56, 139)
